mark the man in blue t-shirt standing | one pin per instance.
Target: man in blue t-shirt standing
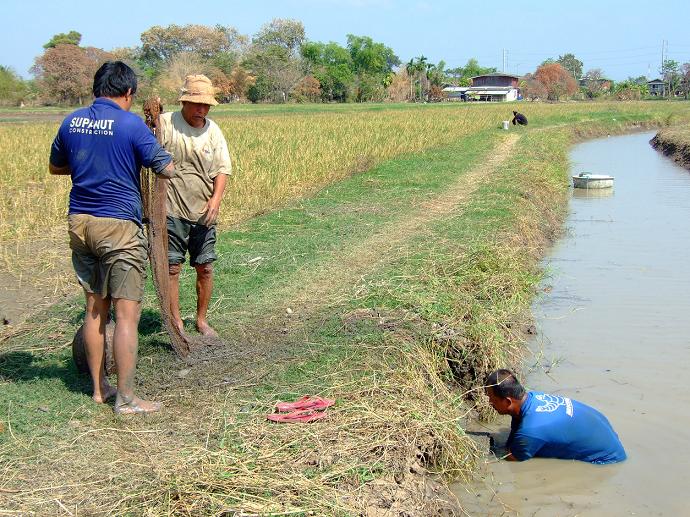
(103, 148)
(549, 426)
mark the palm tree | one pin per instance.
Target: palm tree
(410, 68)
(420, 70)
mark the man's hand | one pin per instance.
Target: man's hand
(211, 210)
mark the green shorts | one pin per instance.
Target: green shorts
(108, 255)
(184, 236)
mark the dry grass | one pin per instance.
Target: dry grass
(277, 158)
(238, 463)
(214, 452)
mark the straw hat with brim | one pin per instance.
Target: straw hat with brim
(199, 89)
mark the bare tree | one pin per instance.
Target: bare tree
(556, 79)
(532, 88)
(173, 75)
(161, 44)
(595, 83)
(64, 73)
(274, 57)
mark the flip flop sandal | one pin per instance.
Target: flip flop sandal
(307, 415)
(306, 402)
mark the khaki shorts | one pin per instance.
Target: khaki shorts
(108, 255)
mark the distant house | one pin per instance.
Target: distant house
(656, 87)
(455, 93)
(489, 88)
(497, 79)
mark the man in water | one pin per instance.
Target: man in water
(519, 118)
(549, 426)
(102, 148)
(202, 164)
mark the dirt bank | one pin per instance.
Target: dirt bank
(674, 143)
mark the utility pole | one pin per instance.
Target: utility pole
(505, 59)
(663, 60)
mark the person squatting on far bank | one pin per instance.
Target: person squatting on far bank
(519, 118)
(549, 426)
(202, 164)
(102, 148)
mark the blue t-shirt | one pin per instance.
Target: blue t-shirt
(105, 147)
(557, 427)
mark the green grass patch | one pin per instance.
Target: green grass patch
(441, 306)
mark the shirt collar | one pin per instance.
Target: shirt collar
(107, 102)
(527, 403)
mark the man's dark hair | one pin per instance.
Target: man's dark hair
(114, 79)
(505, 384)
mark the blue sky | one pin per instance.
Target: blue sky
(623, 38)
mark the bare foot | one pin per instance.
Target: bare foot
(135, 406)
(205, 329)
(104, 393)
(179, 324)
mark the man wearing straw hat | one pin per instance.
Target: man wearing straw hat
(202, 164)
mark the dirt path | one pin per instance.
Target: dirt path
(17, 300)
(330, 279)
(208, 400)
(44, 277)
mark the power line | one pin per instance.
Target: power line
(587, 53)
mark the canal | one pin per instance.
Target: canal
(613, 326)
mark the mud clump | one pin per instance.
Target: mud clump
(79, 350)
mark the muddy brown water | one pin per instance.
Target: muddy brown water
(614, 332)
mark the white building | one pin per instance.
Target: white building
(488, 88)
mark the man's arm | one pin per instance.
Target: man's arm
(514, 426)
(58, 163)
(523, 447)
(59, 171)
(213, 205)
(168, 171)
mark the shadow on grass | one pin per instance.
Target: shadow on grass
(150, 322)
(24, 367)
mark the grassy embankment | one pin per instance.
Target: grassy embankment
(426, 260)
(675, 143)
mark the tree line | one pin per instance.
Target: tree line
(279, 64)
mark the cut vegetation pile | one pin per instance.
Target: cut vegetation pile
(393, 291)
